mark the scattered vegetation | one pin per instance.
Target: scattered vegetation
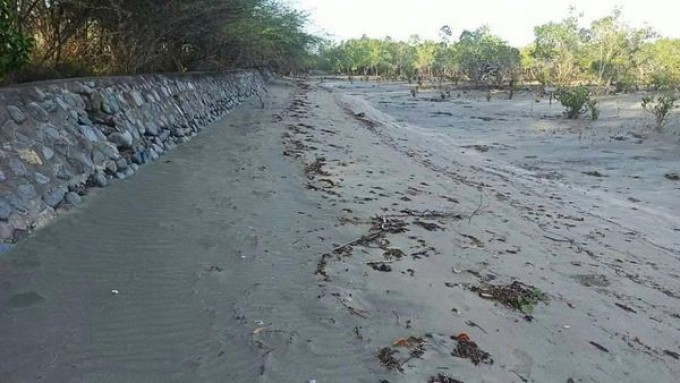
(661, 107)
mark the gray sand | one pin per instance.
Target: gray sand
(214, 248)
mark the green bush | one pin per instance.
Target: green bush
(577, 101)
(14, 45)
(661, 107)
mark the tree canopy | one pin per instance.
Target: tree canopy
(471, 56)
(61, 38)
(56, 38)
(607, 52)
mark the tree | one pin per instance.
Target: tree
(558, 50)
(480, 53)
(612, 47)
(659, 64)
(425, 53)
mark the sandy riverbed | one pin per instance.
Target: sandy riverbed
(296, 242)
(581, 211)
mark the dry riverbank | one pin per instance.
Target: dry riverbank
(324, 239)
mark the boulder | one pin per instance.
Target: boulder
(54, 196)
(6, 231)
(137, 98)
(37, 112)
(99, 179)
(17, 167)
(61, 172)
(47, 153)
(72, 198)
(26, 192)
(89, 133)
(16, 114)
(41, 178)
(122, 163)
(152, 129)
(109, 106)
(137, 158)
(16, 203)
(110, 167)
(123, 140)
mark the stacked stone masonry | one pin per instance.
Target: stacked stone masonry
(57, 139)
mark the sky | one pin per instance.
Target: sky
(513, 20)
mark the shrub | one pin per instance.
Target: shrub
(577, 101)
(661, 107)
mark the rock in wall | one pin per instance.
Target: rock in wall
(59, 138)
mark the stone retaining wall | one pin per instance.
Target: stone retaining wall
(59, 138)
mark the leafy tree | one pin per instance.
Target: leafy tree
(558, 50)
(425, 54)
(659, 64)
(480, 50)
(612, 47)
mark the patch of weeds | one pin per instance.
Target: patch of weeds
(467, 349)
(517, 295)
(387, 359)
(387, 355)
(441, 378)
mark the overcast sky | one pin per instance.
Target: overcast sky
(511, 19)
